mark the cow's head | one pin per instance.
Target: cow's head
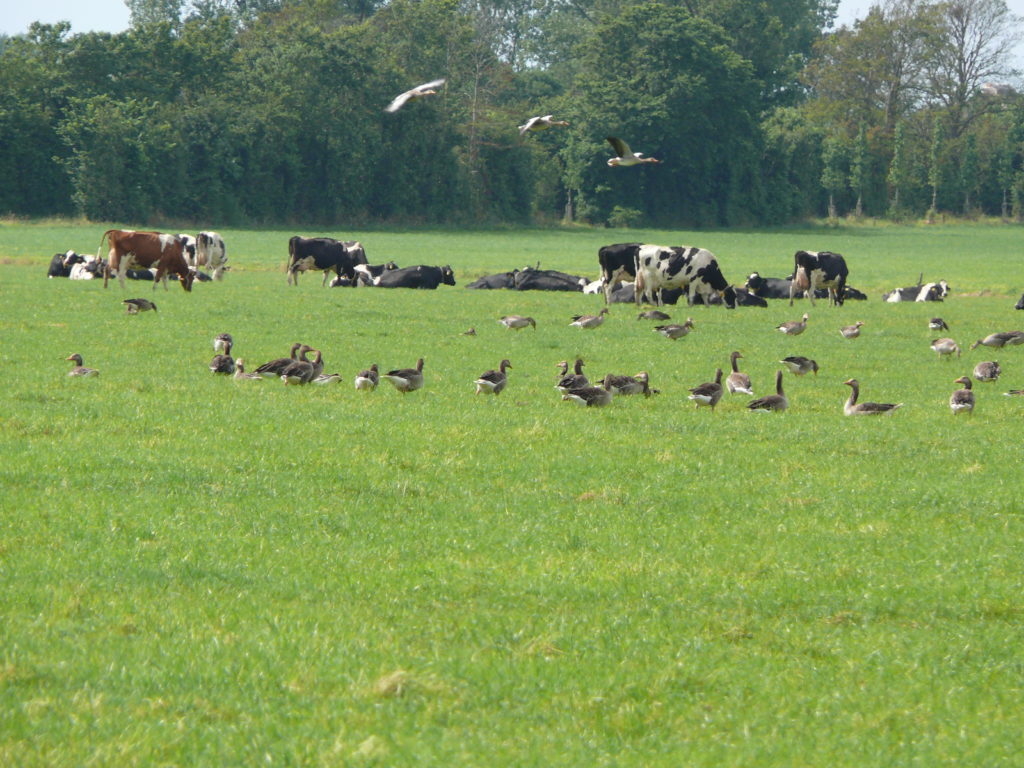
(187, 278)
(729, 297)
(943, 287)
(754, 283)
(447, 276)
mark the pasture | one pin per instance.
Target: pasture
(203, 572)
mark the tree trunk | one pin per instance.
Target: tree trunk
(831, 206)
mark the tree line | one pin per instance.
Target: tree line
(271, 111)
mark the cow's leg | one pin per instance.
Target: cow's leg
(122, 272)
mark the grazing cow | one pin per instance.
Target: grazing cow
(1020, 302)
(920, 292)
(366, 273)
(814, 270)
(145, 250)
(324, 254)
(617, 263)
(416, 277)
(210, 251)
(494, 282)
(530, 279)
(694, 269)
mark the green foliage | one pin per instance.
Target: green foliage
(625, 217)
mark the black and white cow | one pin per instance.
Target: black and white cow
(814, 270)
(211, 252)
(920, 292)
(494, 282)
(324, 254)
(768, 287)
(530, 279)
(367, 273)
(618, 263)
(416, 277)
(1020, 302)
(61, 264)
(188, 249)
(692, 269)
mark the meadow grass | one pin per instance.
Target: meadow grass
(199, 572)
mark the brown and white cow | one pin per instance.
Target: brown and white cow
(145, 250)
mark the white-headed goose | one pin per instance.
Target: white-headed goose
(938, 324)
(272, 369)
(407, 379)
(492, 382)
(241, 375)
(675, 331)
(628, 385)
(987, 371)
(427, 89)
(368, 379)
(653, 314)
(945, 347)
(542, 123)
(708, 393)
(222, 342)
(574, 380)
(134, 306)
(851, 331)
(793, 327)
(624, 156)
(223, 363)
(962, 400)
(853, 408)
(589, 321)
(776, 402)
(737, 381)
(800, 365)
(517, 321)
(79, 369)
(591, 396)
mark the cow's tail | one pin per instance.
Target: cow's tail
(99, 250)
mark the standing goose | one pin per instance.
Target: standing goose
(675, 331)
(241, 375)
(708, 393)
(800, 365)
(624, 156)
(653, 314)
(590, 396)
(962, 399)
(535, 124)
(777, 402)
(738, 381)
(517, 321)
(938, 324)
(997, 340)
(222, 342)
(945, 347)
(853, 408)
(223, 363)
(134, 306)
(300, 371)
(851, 331)
(427, 89)
(589, 321)
(492, 382)
(272, 369)
(628, 385)
(368, 379)
(571, 380)
(78, 369)
(987, 371)
(793, 327)
(407, 379)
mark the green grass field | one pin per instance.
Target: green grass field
(203, 572)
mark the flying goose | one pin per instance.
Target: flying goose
(222, 341)
(241, 375)
(738, 381)
(300, 371)
(427, 89)
(134, 306)
(653, 314)
(674, 330)
(624, 156)
(591, 396)
(998, 340)
(568, 380)
(79, 369)
(589, 321)
(272, 369)
(962, 399)
(793, 327)
(708, 393)
(938, 324)
(540, 124)
(517, 321)
(628, 385)
(492, 382)
(851, 331)
(407, 379)
(987, 371)
(368, 379)
(853, 408)
(945, 347)
(223, 363)
(800, 365)
(776, 402)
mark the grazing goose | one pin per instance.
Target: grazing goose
(998, 340)
(1014, 392)
(223, 363)
(776, 402)
(535, 124)
(79, 369)
(793, 327)
(851, 331)
(945, 347)
(492, 382)
(653, 314)
(300, 371)
(738, 381)
(222, 342)
(470, 332)
(272, 369)
(628, 385)
(241, 375)
(675, 331)
(589, 321)
(624, 156)
(134, 306)
(591, 396)
(517, 321)
(368, 379)
(427, 89)
(987, 371)
(708, 393)
(853, 408)
(800, 365)
(938, 324)
(962, 399)
(569, 381)
(407, 379)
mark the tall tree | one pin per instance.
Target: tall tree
(859, 169)
(833, 171)
(935, 165)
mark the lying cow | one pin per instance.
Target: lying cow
(145, 250)
(694, 270)
(531, 279)
(416, 277)
(768, 287)
(367, 273)
(61, 264)
(920, 292)
(494, 282)
(324, 254)
(1020, 302)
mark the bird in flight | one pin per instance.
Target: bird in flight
(624, 156)
(419, 91)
